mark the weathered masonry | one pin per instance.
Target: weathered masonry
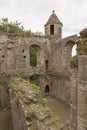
(51, 65)
(52, 55)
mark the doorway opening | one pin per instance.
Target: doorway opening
(47, 90)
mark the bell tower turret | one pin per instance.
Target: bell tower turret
(53, 27)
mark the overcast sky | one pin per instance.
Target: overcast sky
(33, 14)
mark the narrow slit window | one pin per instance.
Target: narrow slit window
(46, 65)
(51, 29)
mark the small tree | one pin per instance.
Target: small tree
(12, 27)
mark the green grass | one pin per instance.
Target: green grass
(33, 82)
(61, 102)
(23, 80)
(45, 105)
(36, 87)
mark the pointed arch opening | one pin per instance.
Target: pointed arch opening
(34, 52)
(68, 52)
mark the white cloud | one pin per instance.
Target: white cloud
(34, 14)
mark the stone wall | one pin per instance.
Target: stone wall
(82, 80)
(78, 91)
(18, 120)
(73, 98)
(15, 57)
(59, 86)
(62, 87)
(82, 93)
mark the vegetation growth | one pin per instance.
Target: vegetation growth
(4, 80)
(14, 28)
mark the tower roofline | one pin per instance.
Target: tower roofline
(53, 19)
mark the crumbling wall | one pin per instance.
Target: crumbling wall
(78, 91)
(15, 57)
(19, 123)
(82, 80)
(29, 111)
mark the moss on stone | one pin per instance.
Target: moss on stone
(4, 80)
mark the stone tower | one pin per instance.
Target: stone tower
(53, 27)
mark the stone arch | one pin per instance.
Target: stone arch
(67, 53)
(35, 55)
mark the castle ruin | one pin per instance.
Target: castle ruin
(52, 67)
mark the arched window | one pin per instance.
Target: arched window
(33, 56)
(34, 51)
(68, 52)
(51, 29)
